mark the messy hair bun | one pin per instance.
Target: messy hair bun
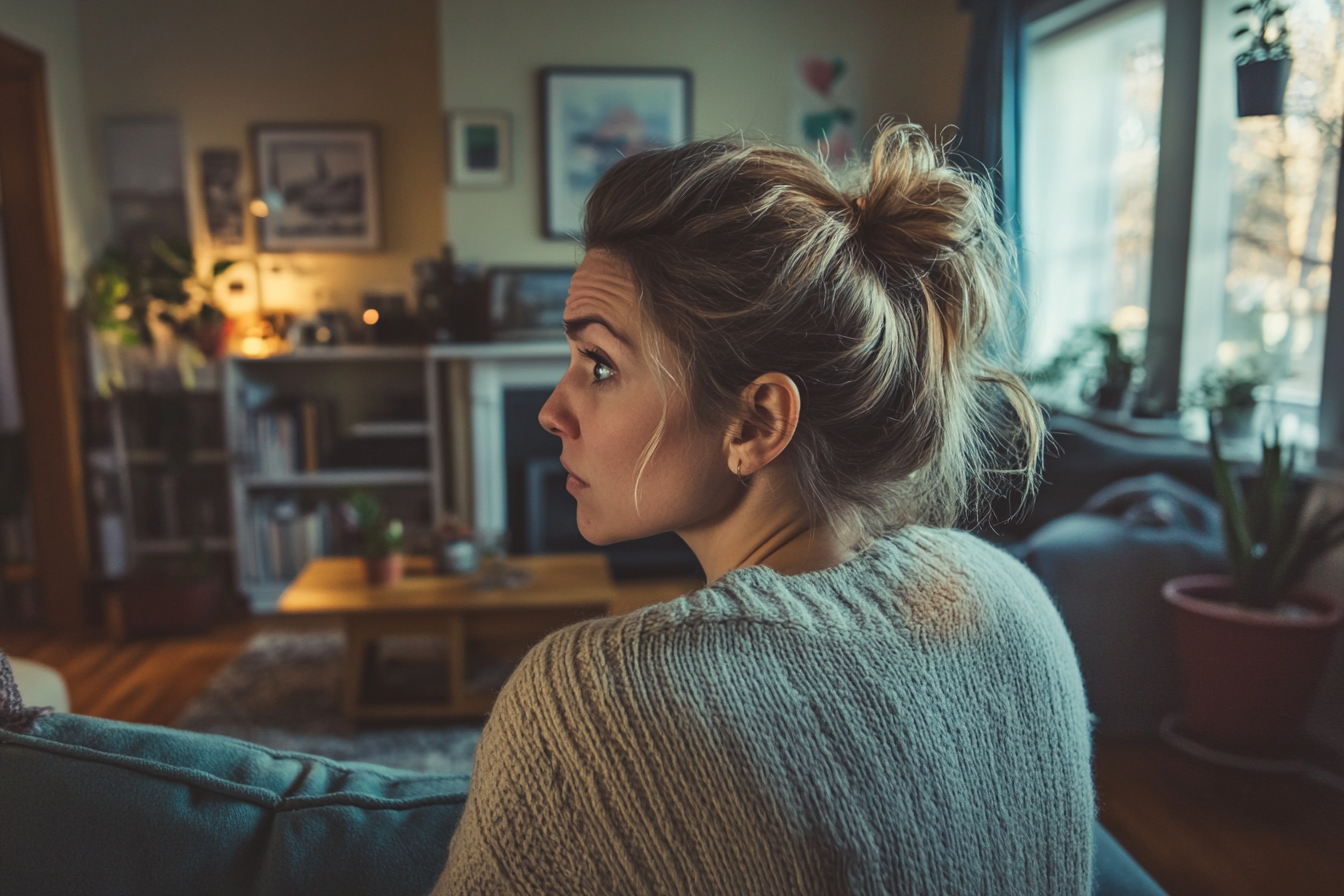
(882, 304)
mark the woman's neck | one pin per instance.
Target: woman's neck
(768, 526)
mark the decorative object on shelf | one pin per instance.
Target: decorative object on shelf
(384, 560)
(528, 304)
(454, 547)
(1251, 645)
(387, 320)
(480, 150)
(1095, 355)
(592, 118)
(1264, 66)
(1231, 394)
(318, 185)
(221, 177)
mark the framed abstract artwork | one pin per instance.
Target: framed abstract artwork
(320, 186)
(479, 148)
(591, 118)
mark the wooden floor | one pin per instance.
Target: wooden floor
(1199, 830)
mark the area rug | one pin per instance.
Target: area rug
(284, 692)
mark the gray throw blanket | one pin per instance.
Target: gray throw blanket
(14, 716)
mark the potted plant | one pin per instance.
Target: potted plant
(1251, 645)
(384, 560)
(158, 301)
(1096, 353)
(1263, 67)
(1230, 395)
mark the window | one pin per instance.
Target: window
(1264, 210)
(1256, 281)
(1092, 100)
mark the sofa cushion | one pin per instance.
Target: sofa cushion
(93, 805)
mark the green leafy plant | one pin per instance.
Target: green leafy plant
(382, 537)
(1234, 389)
(121, 291)
(1272, 537)
(1267, 28)
(1109, 369)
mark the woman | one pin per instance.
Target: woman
(794, 380)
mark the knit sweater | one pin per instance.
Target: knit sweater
(910, 721)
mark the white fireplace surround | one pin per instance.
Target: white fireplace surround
(489, 370)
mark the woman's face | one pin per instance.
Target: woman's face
(607, 408)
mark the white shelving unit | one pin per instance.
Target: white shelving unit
(460, 389)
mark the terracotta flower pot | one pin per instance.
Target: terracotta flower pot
(384, 570)
(1247, 676)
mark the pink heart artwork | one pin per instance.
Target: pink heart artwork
(819, 73)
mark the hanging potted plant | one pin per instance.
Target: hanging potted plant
(1263, 67)
(1251, 645)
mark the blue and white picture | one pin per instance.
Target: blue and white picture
(595, 118)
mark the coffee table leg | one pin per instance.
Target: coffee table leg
(352, 674)
(455, 634)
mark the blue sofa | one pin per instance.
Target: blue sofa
(96, 806)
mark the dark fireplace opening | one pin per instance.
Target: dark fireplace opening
(541, 511)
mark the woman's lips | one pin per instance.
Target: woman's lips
(573, 483)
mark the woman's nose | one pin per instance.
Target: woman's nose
(555, 416)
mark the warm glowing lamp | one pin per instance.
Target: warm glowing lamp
(259, 208)
(371, 316)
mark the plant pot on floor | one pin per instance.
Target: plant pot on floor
(1247, 675)
(385, 570)
(1261, 85)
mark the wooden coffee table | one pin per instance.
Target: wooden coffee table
(479, 625)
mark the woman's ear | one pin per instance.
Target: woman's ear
(770, 404)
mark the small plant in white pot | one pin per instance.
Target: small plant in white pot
(1251, 645)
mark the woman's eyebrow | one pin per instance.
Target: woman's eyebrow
(575, 325)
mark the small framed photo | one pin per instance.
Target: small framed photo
(480, 151)
(527, 304)
(320, 185)
(591, 118)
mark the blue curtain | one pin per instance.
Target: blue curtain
(990, 100)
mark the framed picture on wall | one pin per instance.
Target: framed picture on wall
(320, 186)
(479, 148)
(527, 303)
(593, 117)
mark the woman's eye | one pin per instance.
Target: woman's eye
(602, 369)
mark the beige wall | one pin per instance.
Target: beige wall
(221, 66)
(908, 56)
(52, 28)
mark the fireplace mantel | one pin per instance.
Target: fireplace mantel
(475, 380)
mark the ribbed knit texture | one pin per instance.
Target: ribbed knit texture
(911, 721)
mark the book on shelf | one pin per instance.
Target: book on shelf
(286, 536)
(292, 437)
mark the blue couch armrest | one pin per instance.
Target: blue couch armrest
(1114, 871)
(95, 806)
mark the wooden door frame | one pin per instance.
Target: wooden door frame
(42, 336)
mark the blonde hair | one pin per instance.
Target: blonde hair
(881, 304)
